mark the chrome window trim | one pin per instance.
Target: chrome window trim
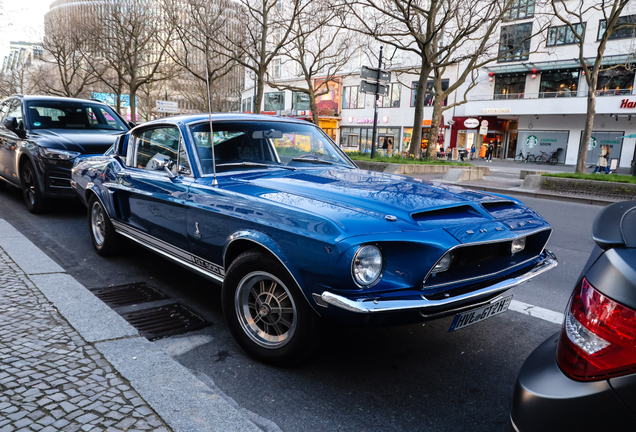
(482, 243)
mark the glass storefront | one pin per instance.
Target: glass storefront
(359, 138)
(561, 83)
(615, 81)
(599, 139)
(510, 86)
(535, 142)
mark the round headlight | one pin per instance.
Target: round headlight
(367, 265)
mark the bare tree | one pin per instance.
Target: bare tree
(574, 15)
(320, 46)
(133, 39)
(268, 26)
(66, 51)
(199, 25)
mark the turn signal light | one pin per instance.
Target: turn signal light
(598, 337)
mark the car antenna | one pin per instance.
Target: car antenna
(207, 81)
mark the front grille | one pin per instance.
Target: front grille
(471, 255)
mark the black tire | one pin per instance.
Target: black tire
(538, 160)
(531, 159)
(266, 311)
(31, 192)
(105, 240)
(519, 158)
(553, 160)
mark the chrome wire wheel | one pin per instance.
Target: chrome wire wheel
(28, 185)
(98, 223)
(265, 310)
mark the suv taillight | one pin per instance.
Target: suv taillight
(598, 337)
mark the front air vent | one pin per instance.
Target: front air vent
(312, 178)
(503, 209)
(448, 216)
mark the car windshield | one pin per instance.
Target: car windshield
(264, 144)
(72, 115)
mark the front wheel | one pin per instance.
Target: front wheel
(553, 160)
(31, 192)
(266, 311)
(538, 160)
(519, 158)
(105, 240)
(531, 159)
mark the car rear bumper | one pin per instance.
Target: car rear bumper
(544, 399)
(438, 307)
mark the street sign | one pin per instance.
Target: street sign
(167, 106)
(370, 88)
(375, 74)
(483, 130)
(484, 123)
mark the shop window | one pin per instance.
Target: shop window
(300, 101)
(429, 98)
(275, 101)
(393, 99)
(563, 35)
(514, 42)
(520, 9)
(510, 86)
(561, 83)
(353, 98)
(616, 80)
(625, 33)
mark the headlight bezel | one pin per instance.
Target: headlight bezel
(520, 245)
(359, 283)
(447, 255)
(57, 154)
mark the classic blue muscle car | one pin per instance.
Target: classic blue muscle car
(277, 213)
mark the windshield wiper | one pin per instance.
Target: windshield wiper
(314, 161)
(244, 164)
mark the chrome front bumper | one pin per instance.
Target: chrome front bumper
(372, 305)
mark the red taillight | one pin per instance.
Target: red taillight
(598, 337)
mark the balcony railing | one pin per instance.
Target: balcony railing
(544, 95)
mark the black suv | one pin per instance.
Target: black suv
(40, 136)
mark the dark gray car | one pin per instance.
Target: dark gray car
(41, 136)
(584, 378)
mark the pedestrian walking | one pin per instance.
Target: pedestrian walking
(489, 151)
(601, 163)
(472, 152)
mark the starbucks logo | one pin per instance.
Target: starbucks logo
(532, 141)
(592, 144)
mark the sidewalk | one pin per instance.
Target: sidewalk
(69, 363)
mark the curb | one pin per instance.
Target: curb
(184, 402)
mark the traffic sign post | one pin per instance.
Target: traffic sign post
(373, 82)
(167, 106)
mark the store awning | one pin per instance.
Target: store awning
(559, 64)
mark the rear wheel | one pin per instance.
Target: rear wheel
(266, 311)
(31, 192)
(519, 158)
(538, 160)
(105, 240)
(553, 160)
(531, 159)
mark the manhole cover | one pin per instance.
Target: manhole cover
(164, 321)
(130, 294)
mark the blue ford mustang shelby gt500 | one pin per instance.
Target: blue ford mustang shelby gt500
(274, 210)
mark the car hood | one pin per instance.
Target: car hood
(393, 202)
(96, 141)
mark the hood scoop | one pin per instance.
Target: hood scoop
(312, 178)
(448, 216)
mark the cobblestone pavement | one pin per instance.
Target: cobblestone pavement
(50, 378)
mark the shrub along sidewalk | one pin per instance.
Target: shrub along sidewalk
(401, 160)
(616, 178)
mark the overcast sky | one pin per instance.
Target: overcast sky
(22, 20)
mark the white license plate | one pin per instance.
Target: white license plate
(477, 315)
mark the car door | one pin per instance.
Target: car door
(9, 141)
(150, 201)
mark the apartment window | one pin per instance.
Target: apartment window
(616, 80)
(353, 98)
(393, 99)
(510, 86)
(300, 101)
(429, 97)
(276, 68)
(247, 105)
(563, 35)
(514, 43)
(275, 101)
(520, 9)
(560, 83)
(621, 34)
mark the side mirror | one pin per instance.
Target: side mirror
(10, 123)
(131, 124)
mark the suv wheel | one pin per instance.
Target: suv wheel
(31, 192)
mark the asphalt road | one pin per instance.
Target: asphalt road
(418, 377)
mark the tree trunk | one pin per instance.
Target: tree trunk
(416, 138)
(133, 105)
(431, 151)
(581, 160)
(260, 89)
(314, 107)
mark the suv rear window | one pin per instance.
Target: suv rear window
(72, 115)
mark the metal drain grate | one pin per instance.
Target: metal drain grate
(130, 294)
(164, 321)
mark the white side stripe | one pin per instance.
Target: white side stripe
(537, 312)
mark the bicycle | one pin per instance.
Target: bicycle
(529, 158)
(552, 159)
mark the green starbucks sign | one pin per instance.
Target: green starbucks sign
(592, 144)
(532, 141)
